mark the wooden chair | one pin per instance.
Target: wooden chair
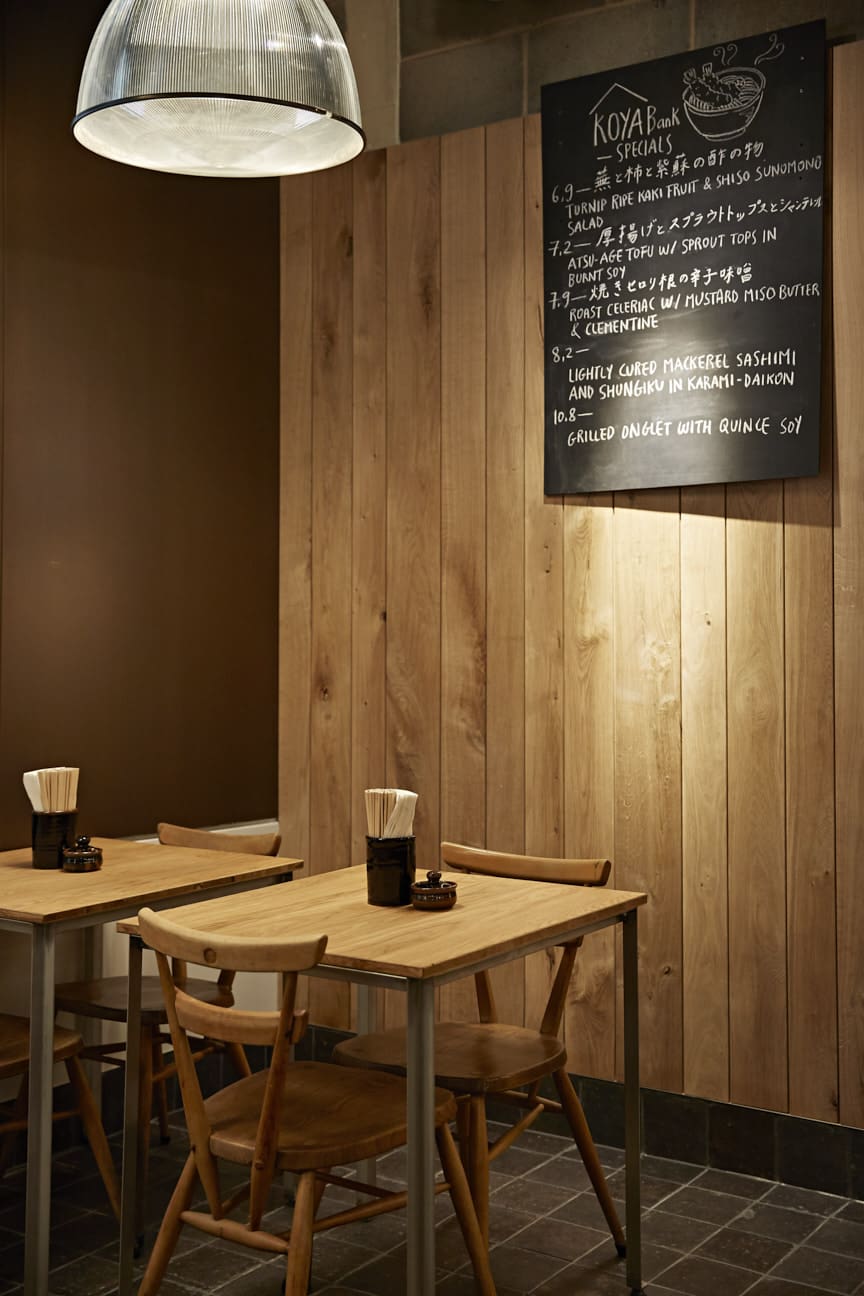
(15, 1061)
(105, 998)
(490, 1059)
(302, 1117)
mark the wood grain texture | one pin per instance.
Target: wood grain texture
(757, 818)
(505, 512)
(492, 917)
(295, 511)
(589, 760)
(332, 424)
(679, 620)
(369, 493)
(414, 490)
(132, 874)
(463, 508)
(705, 914)
(369, 500)
(648, 762)
(544, 586)
(811, 893)
(848, 168)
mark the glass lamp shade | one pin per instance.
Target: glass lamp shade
(232, 88)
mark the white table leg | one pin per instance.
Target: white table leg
(421, 1138)
(129, 1205)
(37, 1227)
(632, 1120)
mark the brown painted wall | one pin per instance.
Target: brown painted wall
(140, 465)
(668, 677)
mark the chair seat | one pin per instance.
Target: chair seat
(328, 1118)
(470, 1057)
(106, 998)
(15, 1044)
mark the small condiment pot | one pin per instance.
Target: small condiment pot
(433, 893)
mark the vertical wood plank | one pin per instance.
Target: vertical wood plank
(811, 899)
(703, 792)
(369, 496)
(757, 850)
(369, 499)
(505, 511)
(463, 508)
(811, 894)
(414, 487)
(648, 762)
(332, 426)
(589, 761)
(848, 168)
(544, 586)
(295, 519)
(295, 513)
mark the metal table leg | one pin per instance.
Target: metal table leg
(129, 1204)
(421, 1138)
(367, 1021)
(38, 1209)
(632, 1120)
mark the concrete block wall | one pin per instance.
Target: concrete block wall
(465, 63)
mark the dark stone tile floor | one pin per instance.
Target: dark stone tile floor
(706, 1232)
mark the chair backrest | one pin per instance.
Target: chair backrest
(533, 868)
(530, 868)
(277, 1030)
(203, 839)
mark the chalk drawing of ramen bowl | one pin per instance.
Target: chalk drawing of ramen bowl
(721, 105)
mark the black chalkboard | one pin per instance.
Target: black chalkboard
(682, 223)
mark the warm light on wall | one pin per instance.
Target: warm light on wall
(231, 88)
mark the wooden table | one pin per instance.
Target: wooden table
(495, 920)
(47, 901)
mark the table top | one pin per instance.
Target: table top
(133, 874)
(492, 917)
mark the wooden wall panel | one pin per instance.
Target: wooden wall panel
(332, 420)
(369, 493)
(648, 676)
(369, 499)
(648, 763)
(848, 167)
(544, 589)
(589, 760)
(757, 813)
(505, 514)
(463, 508)
(705, 914)
(414, 489)
(295, 515)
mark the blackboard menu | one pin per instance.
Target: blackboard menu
(682, 223)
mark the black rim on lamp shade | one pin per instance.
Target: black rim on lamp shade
(230, 88)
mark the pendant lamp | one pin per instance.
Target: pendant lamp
(232, 88)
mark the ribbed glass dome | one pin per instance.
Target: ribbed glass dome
(232, 88)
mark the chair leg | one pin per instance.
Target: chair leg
(169, 1231)
(585, 1143)
(19, 1112)
(160, 1091)
(478, 1164)
(463, 1128)
(239, 1060)
(454, 1173)
(300, 1241)
(95, 1131)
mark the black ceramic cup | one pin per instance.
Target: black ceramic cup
(389, 870)
(51, 832)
